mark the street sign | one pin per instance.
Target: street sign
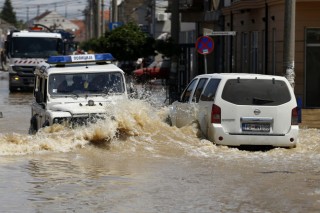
(114, 25)
(204, 45)
(222, 33)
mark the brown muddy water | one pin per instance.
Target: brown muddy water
(138, 163)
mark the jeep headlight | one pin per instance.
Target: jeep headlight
(59, 120)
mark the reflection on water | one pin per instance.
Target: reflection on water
(16, 98)
(19, 98)
(15, 108)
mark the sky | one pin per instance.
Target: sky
(71, 9)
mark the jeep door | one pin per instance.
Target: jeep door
(38, 107)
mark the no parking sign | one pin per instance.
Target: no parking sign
(204, 45)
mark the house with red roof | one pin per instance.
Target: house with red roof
(53, 20)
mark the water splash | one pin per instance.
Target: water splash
(137, 126)
(130, 118)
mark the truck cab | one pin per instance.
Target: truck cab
(75, 90)
(24, 51)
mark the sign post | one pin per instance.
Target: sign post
(205, 46)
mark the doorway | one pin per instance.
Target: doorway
(312, 76)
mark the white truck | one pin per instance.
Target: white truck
(75, 90)
(24, 50)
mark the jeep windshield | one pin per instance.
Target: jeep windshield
(77, 84)
(28, 47)
(267, 92)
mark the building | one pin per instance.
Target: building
(80, 34)
(144, 13)
(54, 20)
(258, 43)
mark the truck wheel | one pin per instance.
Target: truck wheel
(33, 125)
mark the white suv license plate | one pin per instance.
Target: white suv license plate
(254, 127)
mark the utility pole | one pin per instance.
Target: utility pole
(98, 20)
(289, 40)
(102, 18)
(91, 12)
(66, 11)
(153, 16)
(27, 14)
(174, 84)
(114, 11)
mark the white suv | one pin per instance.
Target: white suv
(75, 89)
(240, 109)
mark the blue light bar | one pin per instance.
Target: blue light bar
(66, 59)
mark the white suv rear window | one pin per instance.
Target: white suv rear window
(256, 92)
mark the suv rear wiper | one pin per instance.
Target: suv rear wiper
(261, 101)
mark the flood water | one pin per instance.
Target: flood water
(138, 163)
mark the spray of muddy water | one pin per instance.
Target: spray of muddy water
(139, 127)
(136, 125)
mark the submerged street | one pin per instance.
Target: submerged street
(138, 163)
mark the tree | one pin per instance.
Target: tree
(8, 14)
(167, 47)
(126, 43)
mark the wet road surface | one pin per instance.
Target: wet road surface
(138, 163)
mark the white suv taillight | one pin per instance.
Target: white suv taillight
(294, 116)
(216, 114)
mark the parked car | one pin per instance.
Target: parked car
(157, 69)
(240, 109)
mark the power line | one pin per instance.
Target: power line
(72, 8)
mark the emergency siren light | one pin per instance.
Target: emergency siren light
(67, 59)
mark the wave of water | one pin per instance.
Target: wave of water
(140, 128)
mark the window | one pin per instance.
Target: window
(267, 92)
(40, 85)
(254, 52)
(274, 52)
(244, 52)
(199, 89)
(86, 83)
(210, 91)
(187, 93)
(27, 47)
